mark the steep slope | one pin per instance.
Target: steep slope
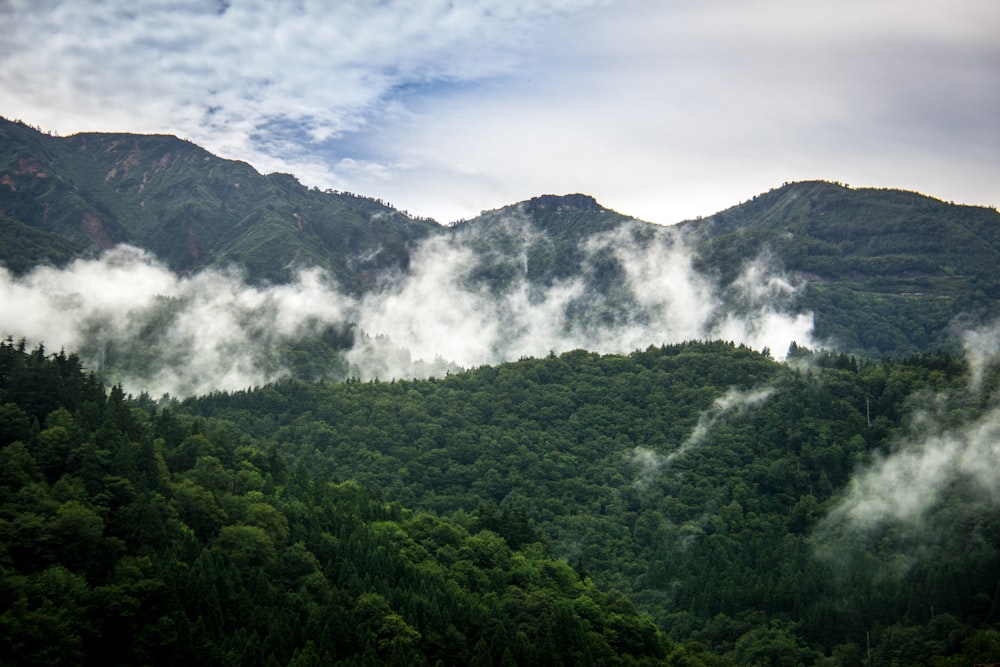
(192, 209)
(885, 271)
(131, 537)
(23, 247)
(542, 240)
(775, 513)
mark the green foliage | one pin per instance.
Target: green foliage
(60, 195)
(713, 535)
(150, 536)
(886, 271)
(659, 507)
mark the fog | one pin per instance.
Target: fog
(921, 497)
(981, 346)
(649, 463)
(129, 317)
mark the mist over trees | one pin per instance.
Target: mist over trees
(247, 422)
(689, 504)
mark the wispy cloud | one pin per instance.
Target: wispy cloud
(663, 110)
(908, 500)
(982, 351)
(212, 331)
(918, 504)
(649, 463)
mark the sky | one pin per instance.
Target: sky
(662, 109)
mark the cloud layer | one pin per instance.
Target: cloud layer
(663, 110)
(187, 335)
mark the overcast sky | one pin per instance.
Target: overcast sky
(662, 109)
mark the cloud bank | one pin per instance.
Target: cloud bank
(127, 314)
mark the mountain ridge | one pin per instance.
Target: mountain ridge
(191, 208)
(884, 272)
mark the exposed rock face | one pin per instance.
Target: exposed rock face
(93, 226)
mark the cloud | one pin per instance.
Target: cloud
(173, 335)
(734, 400)
(921, 504)
(768, 295)
(982, 351)
(210, 330)
(941, 470)
(271, 83)
(663, 110)
(649, 463)
(905, 486)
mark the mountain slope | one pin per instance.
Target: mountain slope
(776, 513)
(131, 537)
(542, 240)
(885, 271)
(193, 209)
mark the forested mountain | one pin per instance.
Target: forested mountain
(190, 208)
(883, 273)
(690, 498)
(685, 505)
(135, 536)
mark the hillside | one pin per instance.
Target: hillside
(696, 504)
(542, 240)
(193, 209)
(885, 271)
(881, 273)
(130, 536)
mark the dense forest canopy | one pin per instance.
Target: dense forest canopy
(135, 535)
(691, 504)
(763, 437)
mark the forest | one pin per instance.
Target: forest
(689, 504)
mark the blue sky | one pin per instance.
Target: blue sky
(663, 109)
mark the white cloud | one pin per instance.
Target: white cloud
(941, 466)
(663, 110)
(261, 81)
(981, 346)
(208, 331)
(649, 463)
(904, 488)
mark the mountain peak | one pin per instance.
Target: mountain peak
(560, 203)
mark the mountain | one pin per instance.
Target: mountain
(882, 272)
(694, 502)
(189, 208)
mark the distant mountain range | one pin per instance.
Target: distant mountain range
(884, 272)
